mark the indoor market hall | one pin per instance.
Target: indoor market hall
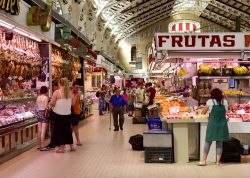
(124, 88)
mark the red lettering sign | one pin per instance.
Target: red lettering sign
(203, 39)
(247, 40)
(206, 41)
(187, 43)
(161, 40)
(229, 40)
(215, 40)
(177, 40)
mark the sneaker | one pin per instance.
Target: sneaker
(202, 163)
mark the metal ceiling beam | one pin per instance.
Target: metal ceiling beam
(120, 10)
(146, 7)
(144, 26)
(150, 11)
(145, 19)
(221, 19)
(229, 9)
(242, 2)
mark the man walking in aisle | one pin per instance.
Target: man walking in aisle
(117, 104)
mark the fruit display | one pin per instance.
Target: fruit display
(232, 113)
(236, 107)
(240, 70)
(160, 97)
(182, 72)
(205, 69)
(234, 92)
(187, 116)
(166, 105)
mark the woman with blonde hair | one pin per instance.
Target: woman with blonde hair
(61, 105)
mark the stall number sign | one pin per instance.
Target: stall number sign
(10, 6)
(202, 41)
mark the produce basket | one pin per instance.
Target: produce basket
(154, 124)
(139, 120)
(158, 155)
(153, 111)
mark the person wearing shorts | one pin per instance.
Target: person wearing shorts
(41, 105)
(76, 112)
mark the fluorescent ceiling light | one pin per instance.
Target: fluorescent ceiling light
(35, 38)
(7, 25)
(19, 31)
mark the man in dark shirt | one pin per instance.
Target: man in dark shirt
(152, 92)
(117, 104)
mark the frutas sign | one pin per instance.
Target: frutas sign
(202, 41)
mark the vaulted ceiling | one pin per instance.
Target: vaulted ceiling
(125, 17)
(121, 18)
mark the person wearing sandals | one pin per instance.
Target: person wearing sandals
(61, 102)
(41, 105)
(217, 128)
(76, 112)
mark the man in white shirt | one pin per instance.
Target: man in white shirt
(140, 94)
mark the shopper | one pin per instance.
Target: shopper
(152, 92)
(41, 105)
(107, 98)
(76, 112)
(61, 103)
(140, 94)
(51, 121)
(125, 96)
(117, 104)
(131, 101)
(101, 96)
(217, 128)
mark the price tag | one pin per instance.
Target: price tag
(242, 111)
(174, 109)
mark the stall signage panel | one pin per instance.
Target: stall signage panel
(10, 6)
(202, 41)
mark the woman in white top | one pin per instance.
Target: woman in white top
(41, 105)
(61, 105)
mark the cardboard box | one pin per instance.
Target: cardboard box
(138, 113)
(245, 158)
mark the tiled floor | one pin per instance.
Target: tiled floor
(107, 154)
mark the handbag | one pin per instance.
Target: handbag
(48, 113)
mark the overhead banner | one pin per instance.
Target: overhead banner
(202, 41)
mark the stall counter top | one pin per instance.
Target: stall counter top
(176, 121)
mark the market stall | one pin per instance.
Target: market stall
(214, 57)
(22, 66)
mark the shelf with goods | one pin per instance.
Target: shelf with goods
(21, 67)
(232, 78)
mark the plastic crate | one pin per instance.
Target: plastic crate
(158, 138)
(154, 124)
(139, 120)
(158, 155)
